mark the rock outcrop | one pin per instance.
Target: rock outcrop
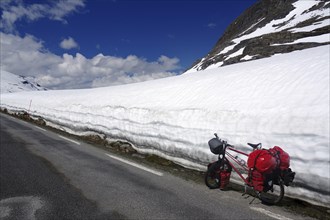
(270, 27)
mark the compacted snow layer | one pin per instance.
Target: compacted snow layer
(282, 100)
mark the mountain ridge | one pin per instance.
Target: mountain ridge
(270, 27)
(11, 83)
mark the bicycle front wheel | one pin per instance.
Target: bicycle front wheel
(212, 177)
(274, 195)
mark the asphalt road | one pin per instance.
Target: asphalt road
(47, 176)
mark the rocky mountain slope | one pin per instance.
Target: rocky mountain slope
(13, 83)
(270, 27)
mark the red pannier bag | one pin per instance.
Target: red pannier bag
(262, 160)
(224, 177)
(261, 163)
(284, 158)
(257, 180)
(284, 164)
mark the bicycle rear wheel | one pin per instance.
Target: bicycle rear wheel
(212, 176)
(274, 195)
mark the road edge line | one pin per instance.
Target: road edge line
(136, 165)
(68, 139)
(270, 214)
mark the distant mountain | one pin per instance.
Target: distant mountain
(13, 83)
(270, 27)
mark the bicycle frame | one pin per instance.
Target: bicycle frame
(268, 187)
(236, 161)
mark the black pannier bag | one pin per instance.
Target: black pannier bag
(288, 176)
(216, 146)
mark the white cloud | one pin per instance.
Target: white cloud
(15, 10)
(64, 7)
(27, 56)
(211, 25)
(69, 43)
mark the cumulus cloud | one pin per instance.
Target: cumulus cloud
(69, 43)
(27, 56)
(15, 10)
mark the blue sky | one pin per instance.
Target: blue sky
(171, 34)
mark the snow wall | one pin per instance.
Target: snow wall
(282, 100)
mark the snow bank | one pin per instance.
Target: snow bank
(282, 100)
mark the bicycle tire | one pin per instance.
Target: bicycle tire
(273, 196)
(212, 177)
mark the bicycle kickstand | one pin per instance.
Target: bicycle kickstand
(252, 200)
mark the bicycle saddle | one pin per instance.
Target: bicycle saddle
(254, 146)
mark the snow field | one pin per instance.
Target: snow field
(282, 100)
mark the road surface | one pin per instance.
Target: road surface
(48, 176)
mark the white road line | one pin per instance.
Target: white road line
(40, 128)
(68, 139)
(136, 165)
(270, 214)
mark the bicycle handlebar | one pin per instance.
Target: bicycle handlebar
(224, 142)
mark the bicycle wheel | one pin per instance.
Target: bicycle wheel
(274, 195)
(212, 176)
